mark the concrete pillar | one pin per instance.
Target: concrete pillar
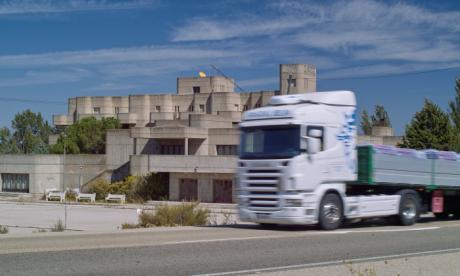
(186, 146)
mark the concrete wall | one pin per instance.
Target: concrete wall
(47, 171)
(119, 147)
(205, 184)
(304, 76)
(144, 164)
(207, 84)
(379, 140)
(224, 136)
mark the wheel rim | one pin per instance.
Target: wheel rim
(409, 209)
(331, 212)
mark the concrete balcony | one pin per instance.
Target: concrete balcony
(98, 116)
(127, 118)
(178, 132)
(159, 116)
(62, 120)
(143, 164)
(234, 116)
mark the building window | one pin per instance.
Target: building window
(201, 107)
(236, 107)
(188, 189)
(257, 105)
(158, 108)
(117, 109)
(191, 108)
(176, 108)
(227, 150)
(97, 110)
(222, 190)
(245, 107)
(292, 82)
(172, 150)
(196, 90)
(15, 183)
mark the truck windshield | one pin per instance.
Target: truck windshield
(270, 142)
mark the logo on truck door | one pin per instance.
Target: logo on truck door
(347, 137)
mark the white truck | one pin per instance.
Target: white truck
(299, 164)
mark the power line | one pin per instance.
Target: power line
(388, 75)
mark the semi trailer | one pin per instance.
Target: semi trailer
(299, 163)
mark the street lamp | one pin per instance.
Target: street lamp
(64, 137)
(80, 180)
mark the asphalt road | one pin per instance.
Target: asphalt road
(191, 251)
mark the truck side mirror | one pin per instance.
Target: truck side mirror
(315, 133)
(313, 145)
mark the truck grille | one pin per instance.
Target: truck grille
(263, 187)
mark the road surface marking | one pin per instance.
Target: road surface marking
(337, 262)
(396, 230)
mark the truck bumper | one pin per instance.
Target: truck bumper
(288, 215)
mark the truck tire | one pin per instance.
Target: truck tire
(330, 212)
(409, 207)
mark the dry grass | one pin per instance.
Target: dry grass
(4, 229)
(58, 227)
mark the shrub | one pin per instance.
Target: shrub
(4, 229)
(137, 189)
(125, 226)
(58, 227)
(153, 186)
(185, 214)
(70, 195)
(98, 186)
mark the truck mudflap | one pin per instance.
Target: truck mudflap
(372, 206)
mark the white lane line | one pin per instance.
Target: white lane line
(337, 262)
(396, 230)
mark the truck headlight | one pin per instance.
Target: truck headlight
(293, 202)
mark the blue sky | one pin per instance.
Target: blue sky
(393, 53)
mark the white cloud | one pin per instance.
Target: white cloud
(116, 55)
(34, 77)
(11, 7)
(355, 30)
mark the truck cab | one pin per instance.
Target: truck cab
(296, 156)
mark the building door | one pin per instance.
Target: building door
(222, 190)
(188, 189)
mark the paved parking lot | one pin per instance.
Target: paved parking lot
(30, 216)
(24, 218)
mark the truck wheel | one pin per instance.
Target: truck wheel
(409, 207)
(330, 212)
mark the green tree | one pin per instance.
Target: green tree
(380, 117)
(454, 106)
(30, 132)
(86, 136)
(430, 128)
(366, 125)
(454, 113)
(7, 145)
